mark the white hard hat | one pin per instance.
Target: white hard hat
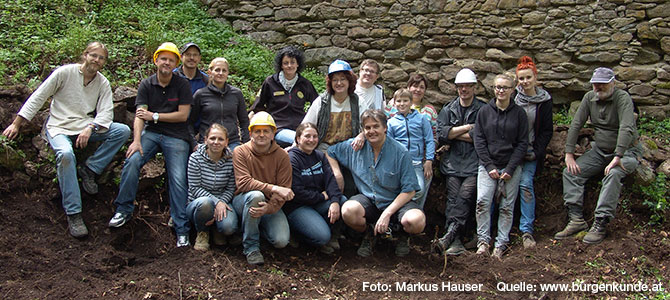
(465, 75)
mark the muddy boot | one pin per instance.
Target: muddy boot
(367, 243)
(456, 247)
(445, 241)
(335, 232)
(402, 246)
(218, 238)
(575, 224)
(597, 232)
(202, 241)
(76, 225)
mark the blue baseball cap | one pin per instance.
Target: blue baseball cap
(338, 65)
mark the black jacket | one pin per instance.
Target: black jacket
(544, 130)
(501, 136)
(287, 109)
(226, 107)
(461, 159)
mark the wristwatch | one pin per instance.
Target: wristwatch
(155, 117)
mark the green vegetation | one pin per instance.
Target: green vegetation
(562, 117)
(654, 128)
(656, 197)
(38, 35)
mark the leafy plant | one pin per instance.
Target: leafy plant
(655, 128)
(656, 198)
(562, 117)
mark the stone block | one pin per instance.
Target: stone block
(662, 11)
(458, 53)
(394, 54)
(414, 49)
(641, 89)
(665, 44)
(647, 56)
(341, 41)
(323, 41)
(508, 4)
(394, 74)
(264, 12)
(375, 11)
(662, 74)
(267, 36)
(304, 40)
(408, 31)
(643, 73)
(449, 72)
(646, 31)
(372, 53)
(553, 56)
(480, 66)
(242, 25)
(352, 13)
(534, 18)
(664, 168)
(357, 32)
(276, 26)
(637, 14)
(650, 100)
(501, 43)
(440, 41)
(396, 9)
(497, 54)
(290, 14)
(536, 44)
(475, 41)
(599, 57)
(621, 22)
(434, 53)
(316, 56)
(527, 3)
(552, 32)
(452, 7)
(360, 46)
(518, 32)
(384, 44)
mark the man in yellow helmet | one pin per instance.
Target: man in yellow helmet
(162, 105)
(263, 175)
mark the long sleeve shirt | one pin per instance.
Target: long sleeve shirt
(73, 105)
(312, 175)
(226, 107)
(207, 178)
(415, 133)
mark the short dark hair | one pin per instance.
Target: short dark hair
(290, 51)
(351, 77)
(416, 79)
(375, 114)
(371, 62)
(302, 127)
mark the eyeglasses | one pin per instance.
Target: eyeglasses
(96, 56)
(368, 70)
(501, 88)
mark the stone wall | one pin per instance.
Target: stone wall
(566, 38)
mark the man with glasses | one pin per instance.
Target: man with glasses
(370, 95)
(459, 163)
(614, 152)
(81, 111)
(191, 56)
(384, 175)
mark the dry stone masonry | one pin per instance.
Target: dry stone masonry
(566, 38)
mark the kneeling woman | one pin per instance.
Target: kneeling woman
(316, 205)
(211, 184)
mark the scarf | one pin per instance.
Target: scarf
(522, 99)
(287, 84)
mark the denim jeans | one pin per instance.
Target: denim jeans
(66, 163)
(176, 152)
(527, 196)
(273, 227)
(486, 188)
(234, 145)
(420, 196)
(591, 163)
(310, 222)
(285, 137)
(201, 210)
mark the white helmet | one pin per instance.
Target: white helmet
(465, 75)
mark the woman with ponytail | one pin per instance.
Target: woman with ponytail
(537, 104)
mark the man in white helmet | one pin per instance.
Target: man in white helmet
(455, 122)
(163, 104)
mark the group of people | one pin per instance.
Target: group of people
(353, 159)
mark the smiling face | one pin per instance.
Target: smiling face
(308, 140)
(466, 91)
(603, 90)
(340, 84)
(375, 132)
(261, 136)
(94, 60)
(290, 66)
(368, 75)
(503, 89)
(166, 62)
(527, 80)
(403, 105)
(191, 58)
(418, 90)
(216, 141)
(218, 73)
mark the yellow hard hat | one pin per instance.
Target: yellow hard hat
(262, 118)
(168, 47)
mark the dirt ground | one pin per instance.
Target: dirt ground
(39, 260)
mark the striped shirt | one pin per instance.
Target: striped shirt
(209, 179)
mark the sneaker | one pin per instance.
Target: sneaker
(528, 240)
(498, 252)
(597, 232)
(456, 247)
(76, 226)
(482, 249)
(87, 179)
(218, 238)
(170, 222)
(367, 244)
(402, 246)
(119, 219)
(182, 240)
(202, 241)
(574, 226)
(255, 258)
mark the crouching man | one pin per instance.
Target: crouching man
(385, 177)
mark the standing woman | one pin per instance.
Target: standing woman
(284, 94)
(501, 141)
(335, 112)
(537, 104)
(219, 102)
(316, 205)
(211, 184)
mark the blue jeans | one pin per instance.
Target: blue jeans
(201, 210)
(486, 188)
(274, 227)
(176, 152)
(285, 137)
(527, 202)
(311, 223)
(420, 196)
(234, 145)
(66, 163)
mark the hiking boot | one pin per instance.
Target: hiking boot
(574, 226)
(367, 244)
(218, 238)
(456, 247)
(528, 240)
(118, 220)
(325, 249)
(87, 179)
(597, 232)
(182, 240)
(202, 241)
(498, 252)
(76, 226)
(402, 246)
(255, 258)
(482, 249)
(443, 243)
